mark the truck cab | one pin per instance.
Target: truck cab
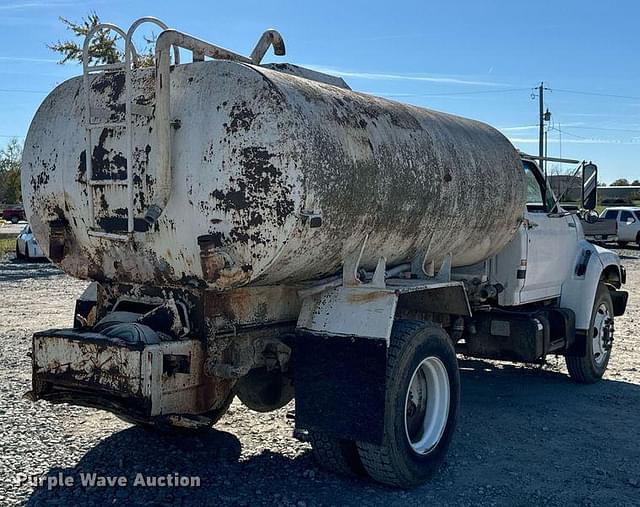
(550, 268)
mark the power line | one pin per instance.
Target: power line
(562, 131)
(606, 128)
(596, 94)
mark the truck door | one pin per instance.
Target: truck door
(627, 226)
(551, 241)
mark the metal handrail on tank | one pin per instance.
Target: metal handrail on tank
(131, 59)
(199, 49)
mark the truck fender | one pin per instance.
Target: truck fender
(592, 264)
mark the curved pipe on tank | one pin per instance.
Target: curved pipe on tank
(165, 41)
(269, 38)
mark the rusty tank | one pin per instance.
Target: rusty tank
(224, 173)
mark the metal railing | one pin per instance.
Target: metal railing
(167, 40)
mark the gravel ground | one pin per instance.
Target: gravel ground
(525, 435)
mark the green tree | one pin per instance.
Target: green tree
(104, 45)
(620, 182)
(10, 160)
(103, 48)
(635, 183)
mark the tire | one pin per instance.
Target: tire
(14, 220)
(26, 252)
(638, 239)
(417, 350)
(590, 368)
(622, 244)
(19, 256)
(336, 455)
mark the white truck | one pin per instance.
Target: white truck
(265, 232)
(627, 220)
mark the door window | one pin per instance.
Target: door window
(611, 213)
(535, 201)
(539, 196)
(627, 217)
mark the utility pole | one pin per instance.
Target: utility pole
(541, 133)
(543, 116)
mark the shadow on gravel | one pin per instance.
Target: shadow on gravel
(17, 269)
(525, 436)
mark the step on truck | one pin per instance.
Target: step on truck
(263, 231)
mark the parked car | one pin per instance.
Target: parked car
(26, 245)
(628, 220)
(14, 214)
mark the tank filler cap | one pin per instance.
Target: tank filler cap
(151, 215)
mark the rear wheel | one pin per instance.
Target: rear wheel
(336, 455)
(14, 220)
(638, 239)
(623, 243)
(26, 251)
(423, 392)
(589, 368)
(18, 254)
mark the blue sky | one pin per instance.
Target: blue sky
(478, 59)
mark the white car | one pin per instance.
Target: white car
(628, 219)
(26, 245)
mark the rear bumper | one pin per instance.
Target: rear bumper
(139, 382)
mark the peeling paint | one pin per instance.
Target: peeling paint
(256, 148)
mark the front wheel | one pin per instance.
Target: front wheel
(423, 393)
(14, 220)
(589, 368)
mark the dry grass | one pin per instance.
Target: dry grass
(7, 245)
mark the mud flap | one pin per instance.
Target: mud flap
(340, 386)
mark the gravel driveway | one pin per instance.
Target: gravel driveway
(526, 435)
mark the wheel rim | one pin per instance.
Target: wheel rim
(426, 406)
(602, 335)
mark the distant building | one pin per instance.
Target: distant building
(628, 193)
(571, 186)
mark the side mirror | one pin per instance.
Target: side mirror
(630, 221)
(591, 217)
(589, 186)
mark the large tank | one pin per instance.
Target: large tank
(284, 175)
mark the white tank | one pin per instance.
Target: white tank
(276, 175)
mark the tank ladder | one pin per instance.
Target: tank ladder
(167, 40)
(89, 71)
